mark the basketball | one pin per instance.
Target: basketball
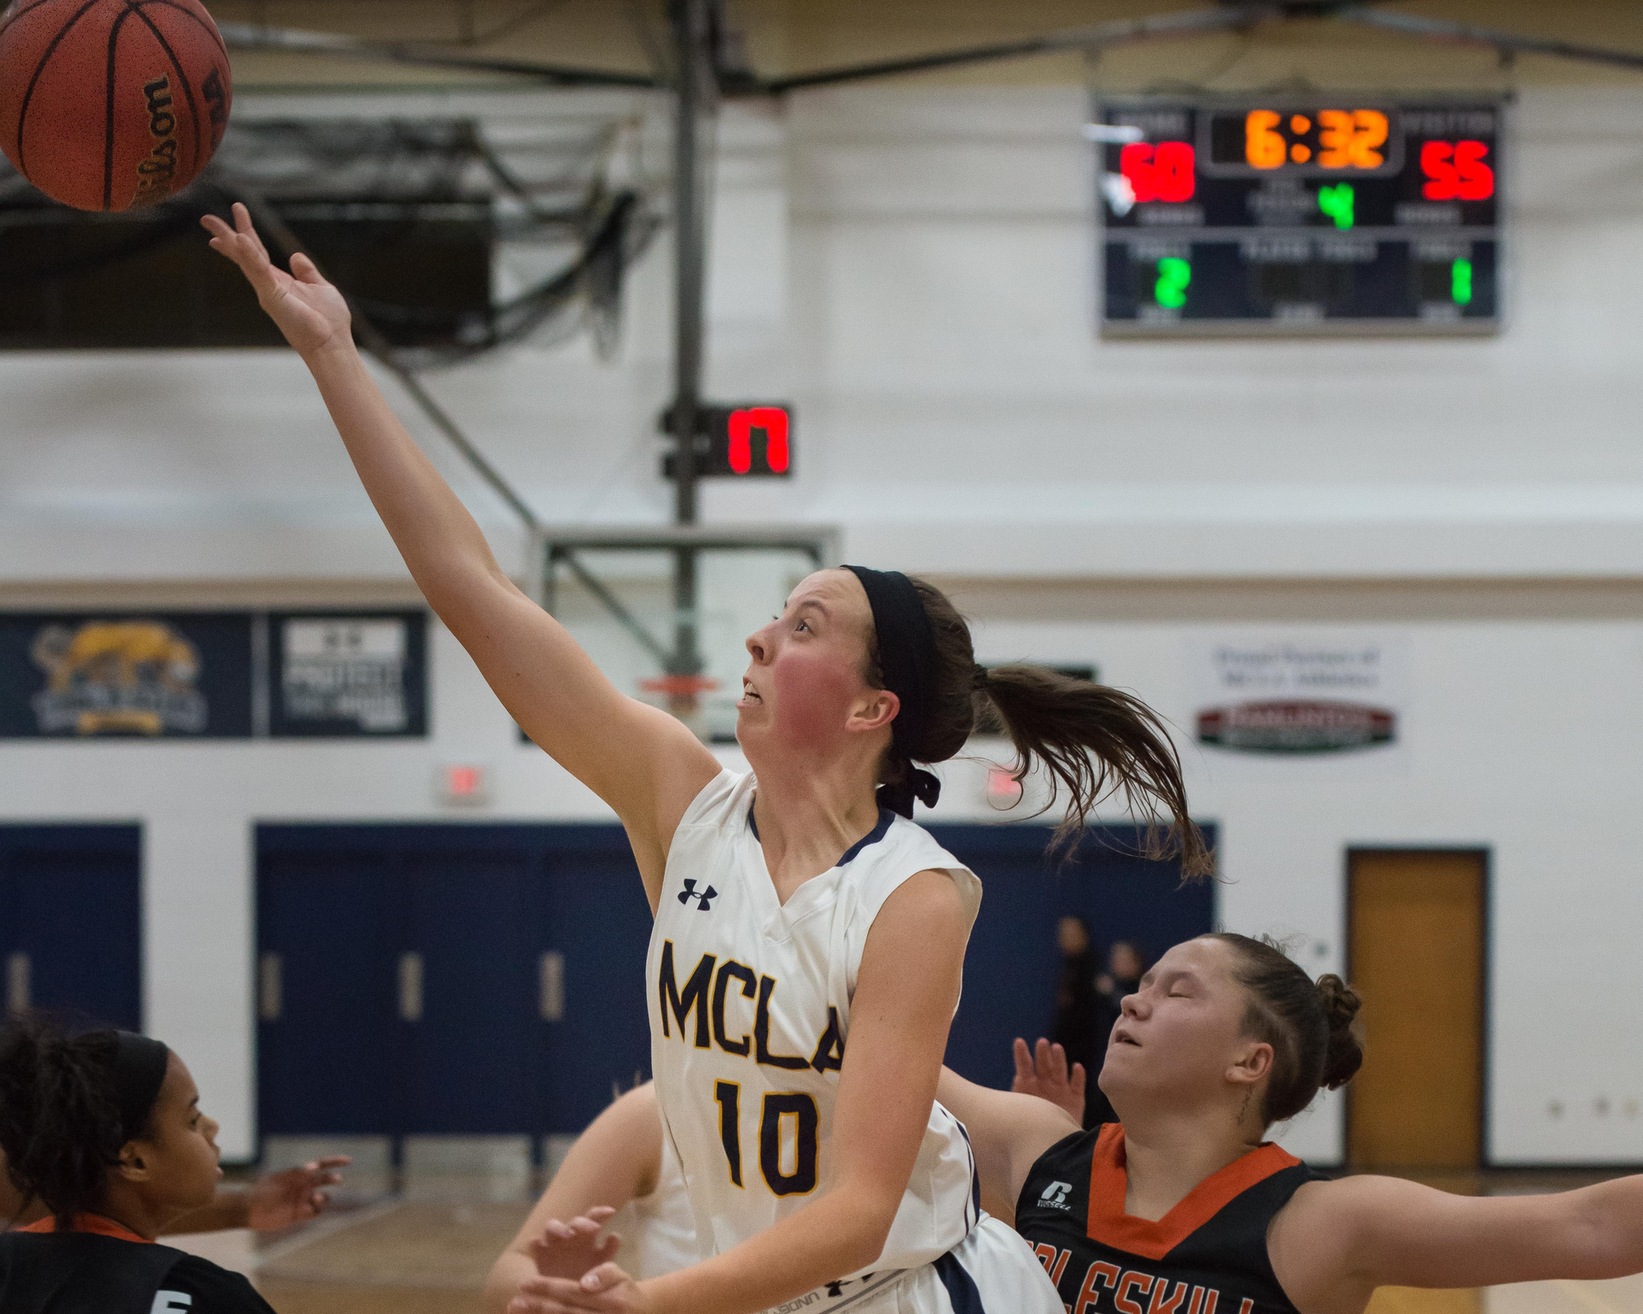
(111, 104)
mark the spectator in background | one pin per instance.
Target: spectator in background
(1078, 1026)
(1125, 968)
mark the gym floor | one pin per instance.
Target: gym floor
(430, 1256)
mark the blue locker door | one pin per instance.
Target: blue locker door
(71, 921)
(600, 923)
(474, 1061)
(331, 929)
(1012, 965)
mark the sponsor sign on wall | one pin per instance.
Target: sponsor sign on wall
(211, 675)
(349, 675)
(1285, 694)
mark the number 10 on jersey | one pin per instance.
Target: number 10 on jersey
(788, 1124)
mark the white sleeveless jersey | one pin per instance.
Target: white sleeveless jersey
(750, 1016)
(658, 1230)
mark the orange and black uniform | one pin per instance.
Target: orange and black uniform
(1207, 1255)
(103, 1268)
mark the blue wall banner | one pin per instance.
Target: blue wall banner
(348, 674)
(103, 675)
(211, 675)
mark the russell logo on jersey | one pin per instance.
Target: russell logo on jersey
(1055, 1195)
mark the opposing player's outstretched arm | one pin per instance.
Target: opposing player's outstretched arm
(1009, 1130)
(617, 1159)
(640, 760)
(1338, 1241)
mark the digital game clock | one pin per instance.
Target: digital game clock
(1346, 215)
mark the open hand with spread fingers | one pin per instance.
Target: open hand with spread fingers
(566, 1252)
(297, 1195)
(311, 312)
(1043, 1071)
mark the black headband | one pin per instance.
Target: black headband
(907, 661)
(139, 1072)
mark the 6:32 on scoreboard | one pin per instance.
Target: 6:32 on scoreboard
(1322, 216)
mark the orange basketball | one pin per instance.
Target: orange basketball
(110, 104)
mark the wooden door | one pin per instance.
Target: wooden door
(1416, 953)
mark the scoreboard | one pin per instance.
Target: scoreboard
(1291, 216)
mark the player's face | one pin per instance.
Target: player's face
(180, 1154)
(1180, 1034)
(807, 676)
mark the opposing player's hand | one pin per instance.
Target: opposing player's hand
(604, 1290)
(1043, 1071)
(308, 310)
(298, 1195)
(568, 1250)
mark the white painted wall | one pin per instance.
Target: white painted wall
(914, 268)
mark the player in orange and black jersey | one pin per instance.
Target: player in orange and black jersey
(1208, 1255)
(1183, 1207)
(105, 1128)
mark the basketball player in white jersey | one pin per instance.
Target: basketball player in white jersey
(810, 938)
(621, 1183)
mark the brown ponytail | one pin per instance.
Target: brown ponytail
(1093, 741)
(1311, 1025)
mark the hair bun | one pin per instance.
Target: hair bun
(1345, 1053)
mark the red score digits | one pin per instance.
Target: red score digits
(1165, 171)
(1456, 171)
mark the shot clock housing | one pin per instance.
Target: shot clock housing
(752, 440)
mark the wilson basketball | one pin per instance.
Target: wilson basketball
(110, 104)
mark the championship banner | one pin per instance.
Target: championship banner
(1283, 694)
(212, 675)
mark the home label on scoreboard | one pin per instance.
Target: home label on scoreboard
(1323, 216)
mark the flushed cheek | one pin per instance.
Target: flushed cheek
(812, 695)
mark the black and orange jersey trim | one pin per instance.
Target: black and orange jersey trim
(1208, 1255)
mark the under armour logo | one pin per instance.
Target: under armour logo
(1055, 1195)
(690, 892)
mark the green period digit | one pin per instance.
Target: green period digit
(1339, 203)
(1460, 282)
(1174, 277)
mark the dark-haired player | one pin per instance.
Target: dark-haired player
(105, 1129)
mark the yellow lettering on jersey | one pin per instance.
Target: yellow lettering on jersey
(694, 996)
(829, 1055)
(730, 970)
(761, 1031)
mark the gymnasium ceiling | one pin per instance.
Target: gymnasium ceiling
(791, 36)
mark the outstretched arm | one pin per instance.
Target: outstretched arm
(272, 1203)
(617, 1159)
(1010, 1129)
(645, 764)
(1337, 1241)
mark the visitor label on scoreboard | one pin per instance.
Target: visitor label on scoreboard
(1287, 694)
(349, 675)
(1299, 216)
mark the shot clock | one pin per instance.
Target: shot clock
(1330, 215)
